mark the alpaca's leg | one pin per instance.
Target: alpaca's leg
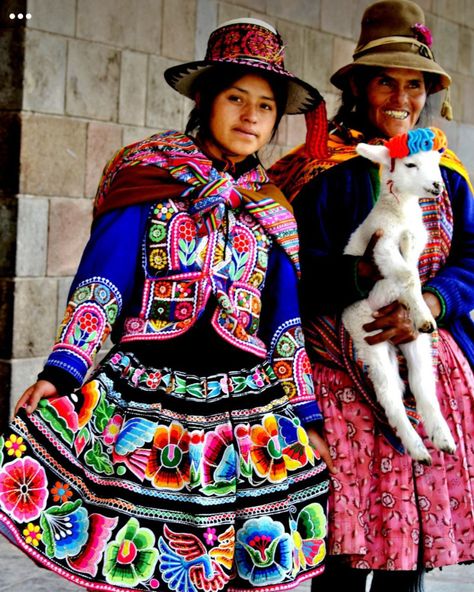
(384, 373)
(422, 380)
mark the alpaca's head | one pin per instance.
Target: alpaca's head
(409, 163)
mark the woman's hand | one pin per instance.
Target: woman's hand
(321, 446)
(33, 394)
(393, 323)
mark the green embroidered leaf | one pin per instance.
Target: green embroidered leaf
(196, 390)
(77, 334)
(102, 413)
(47, 536)
(220, 488)
(97, 459)
(180, 386)
(58, 424)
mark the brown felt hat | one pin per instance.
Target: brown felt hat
(394, 35)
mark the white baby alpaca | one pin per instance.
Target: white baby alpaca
(396, 254)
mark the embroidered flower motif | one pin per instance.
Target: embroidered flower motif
(131, 557)
(210, 536)
(32, 534)
(163, 289)
(157, 233)
(88, 322)
(183, 310)
(266, 452)
(219, 463)
(23, 491)
(169, 464)
(187, 230)
(158, 258)
(65, 529)
(241, 243)
(61, 492)
(153, 379)
(423, 34)
(15, 446)
(282, 369)
(263, 551)
(308, 532)
(112, 429)
(388, 500)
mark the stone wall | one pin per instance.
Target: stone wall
(80, 78)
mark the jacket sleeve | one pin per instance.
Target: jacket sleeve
(101, 290)
(281, 331)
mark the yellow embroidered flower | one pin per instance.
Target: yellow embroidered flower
(32, 534)
(15, 446)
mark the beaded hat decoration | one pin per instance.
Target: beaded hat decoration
(252, 43)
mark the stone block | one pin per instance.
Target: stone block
(69, 229)
(227, 12)
(53, 156)
(466, 51)
(45, 72)
(318, 59)
(7, 294)
(93, 81)
(55, 16)
(132, 24)
(293, 38)
(281, 135)
(133, 134)
(467, 90)
(11, 67)
(453, 10)
(165, 107)
(333, 102)
(260, 5)
(206, 21)
(342, 51)
(446, 35)
(465, 152)
(23, 374)
(103, 140)
(132, 103)
(304, 12)
(10, 132)
(35, 317)
(337, 17)
(32, 236)
(296, 130)
(8, 231)
(64, 285)
(179, 27)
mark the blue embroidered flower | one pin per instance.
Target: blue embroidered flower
(263, 552)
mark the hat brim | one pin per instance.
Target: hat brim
(393, 59)
(302, 97)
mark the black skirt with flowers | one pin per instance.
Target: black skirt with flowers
(153, 479)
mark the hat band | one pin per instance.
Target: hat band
(423, 49)
(276, 60)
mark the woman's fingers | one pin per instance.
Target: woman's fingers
(393, 324)
(33, 395)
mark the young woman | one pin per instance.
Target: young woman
(386, 513)
(186, 460)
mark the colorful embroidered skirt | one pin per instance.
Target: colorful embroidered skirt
(151, 479)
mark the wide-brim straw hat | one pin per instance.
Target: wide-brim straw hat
(251, 43)
(394, 35)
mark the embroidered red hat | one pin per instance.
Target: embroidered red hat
(252, 43)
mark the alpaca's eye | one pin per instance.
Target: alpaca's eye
(410, 165)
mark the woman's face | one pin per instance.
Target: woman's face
(396, 97)
(242, 119)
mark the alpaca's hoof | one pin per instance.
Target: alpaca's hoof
(427, 327)
(443, 440)
(421, 454)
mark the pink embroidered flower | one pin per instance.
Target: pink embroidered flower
(23, 489)
(423, 34)
(112, 429)
(388, 501)
(428, 540)
(424, 503)
(183, 310)
(386, 465)
(210, 536)
(415, 535)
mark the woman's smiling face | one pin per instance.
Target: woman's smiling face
(396, 97)
(242, 119)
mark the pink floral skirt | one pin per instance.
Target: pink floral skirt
(385, 510)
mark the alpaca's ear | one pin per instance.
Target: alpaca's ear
(378, 154)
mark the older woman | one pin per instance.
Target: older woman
(386, 513)
(184, 462)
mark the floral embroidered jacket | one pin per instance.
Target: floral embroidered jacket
(150, 269)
